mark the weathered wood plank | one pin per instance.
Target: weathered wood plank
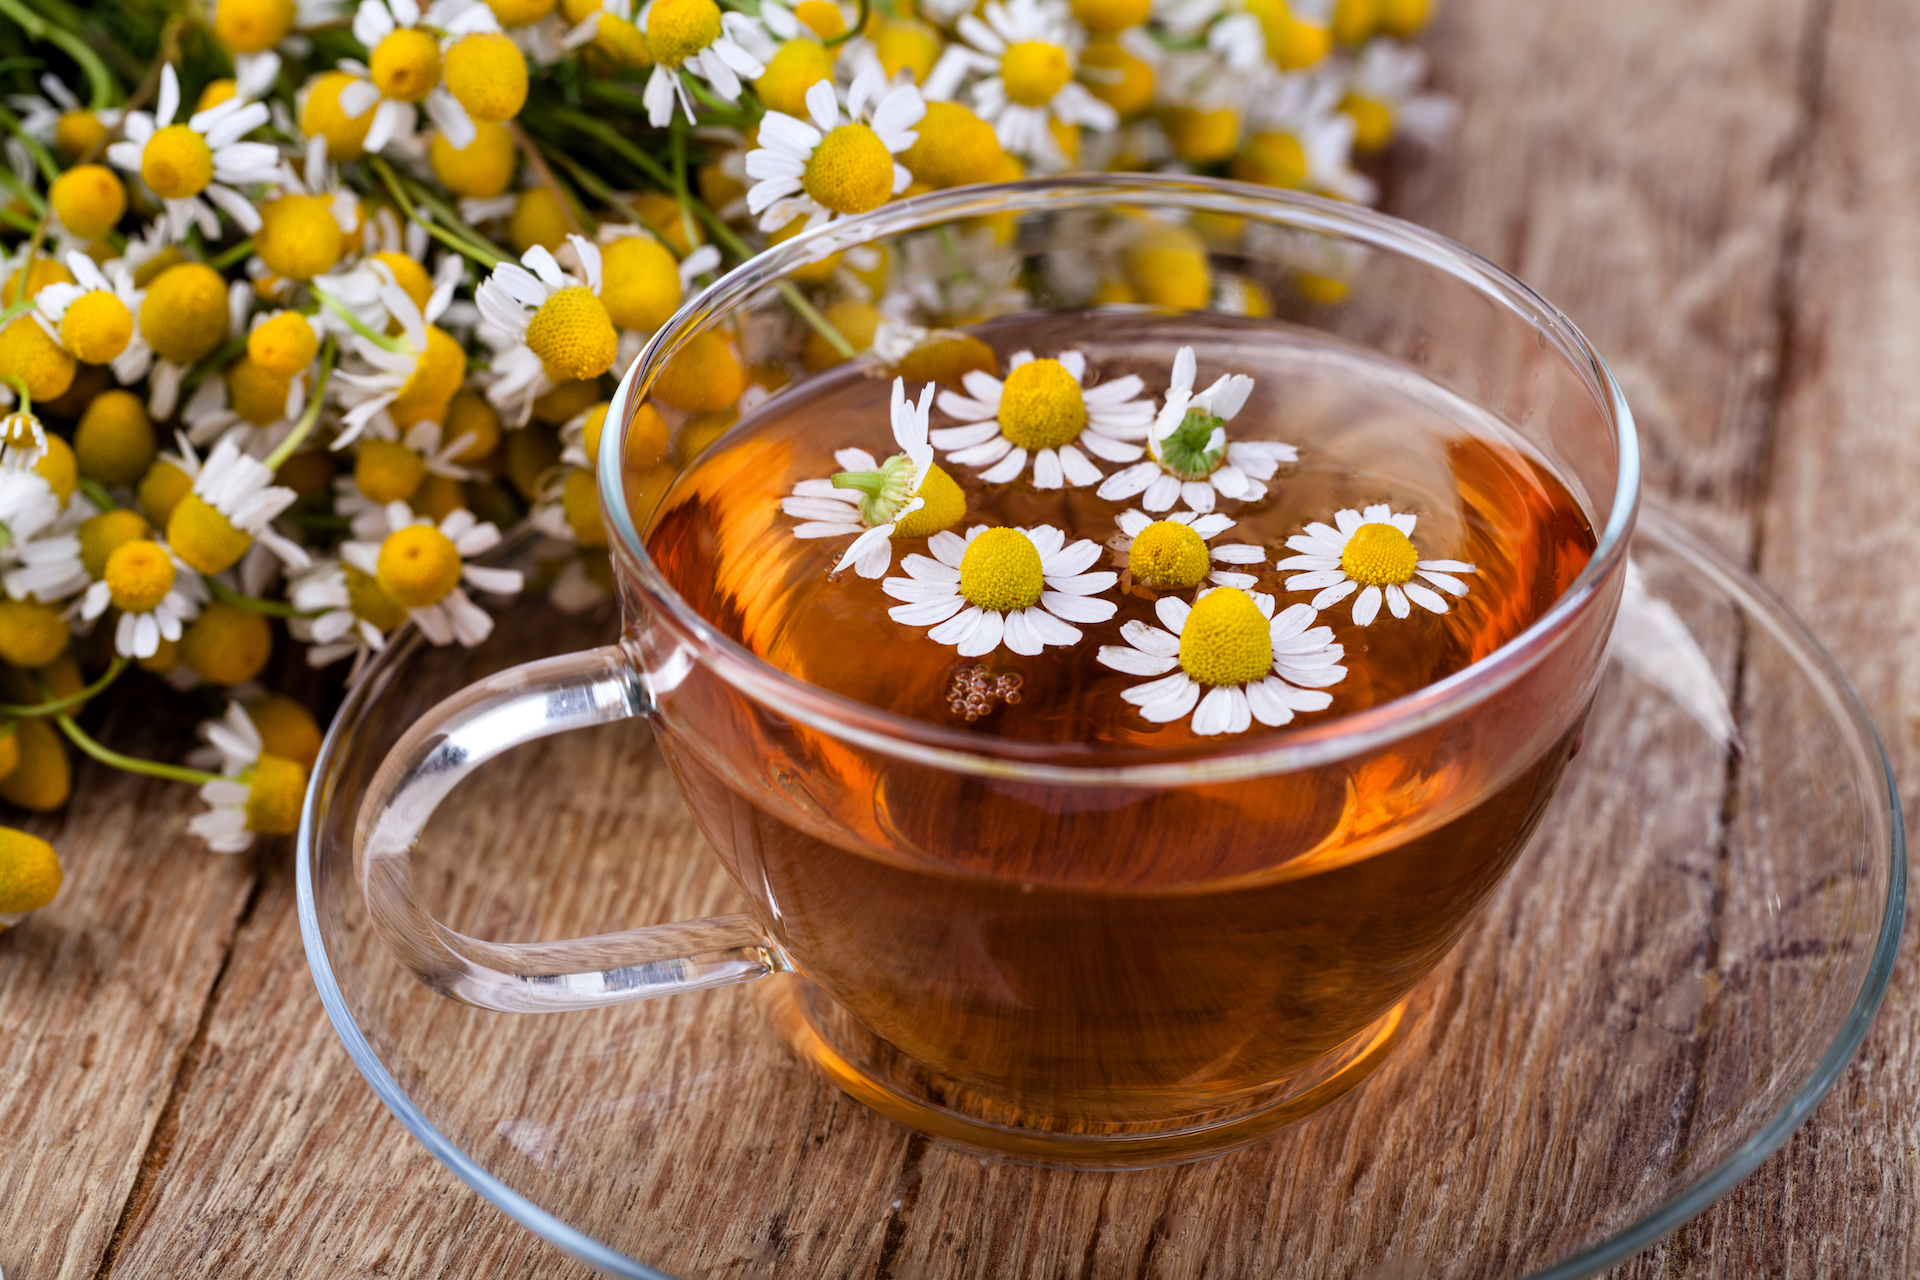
(101, 995)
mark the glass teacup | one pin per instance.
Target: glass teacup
(1072, 1007)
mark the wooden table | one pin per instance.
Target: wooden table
(1723, 194)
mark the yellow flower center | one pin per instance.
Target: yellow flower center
(851, 170)
(105, 534)
(536, 220)
(678, 29)
(1272, 160)
(184, 317)
(227, 645)
(1034, 71)
(406, 65)
(946, 360)
(573, 335)
(418, 566)
(1121, 80)
(278, 789)
(161, 490)
(59, 468)
(469, 414)
(249, 26)
(29, 871)
(955, 148)
(287, 729)
(1167, 267)
(795, 67)
(1168, 554)
(487, 74)
(622, 41)
(483, 169)
(27, 353)
(1104, 17)
(1201, 137)
(97, 327)
(78, 132)
(1373, 122)
(203, 537)
(89, 199)
(370, 603)
(441, 369)
(43, 272)
(285, 344)
(388, 471)
(114, 441)
(32, 634)
(1378, 555)
(580, 501)
(1227, 640)
(321, 116)
(298, 236)
(520, 13)
(703, 376)
(177, 162)
(1001, 571)
(139, 575)
(911, 46)
(821, 17)
(259, 395)
(409, 275)
(1041, 406)
(216, 92)
(642, 283)
(945, 505)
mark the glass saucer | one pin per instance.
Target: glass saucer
(1670, 979)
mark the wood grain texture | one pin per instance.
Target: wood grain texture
(1715, 193)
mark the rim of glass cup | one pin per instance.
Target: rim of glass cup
(1754, 600)
(1307, 747)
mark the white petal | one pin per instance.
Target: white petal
(1134, 662)
(1366, 607)
(1071, 608)
(1431, 601)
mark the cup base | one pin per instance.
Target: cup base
(870, 1071)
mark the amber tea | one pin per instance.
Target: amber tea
(1089, 578)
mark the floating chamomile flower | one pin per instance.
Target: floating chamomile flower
(258, 794)
(1371, 552)
(1229, 646)
(906, 496)
(420, 565)
(93, 317)
(1028, 51)
(203, 157)
(231, 506)
(545, 326)
(1041, 410)
(1021, 586)
(840, 164)
(154, 591)
(694, 37)
(1189, 457)
(404, 66)
(1171, 553)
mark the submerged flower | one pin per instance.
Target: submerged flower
(1021, 586)
(1171, 553)
(1189, 456)
(203, 157)
(1371, 552)
(154, 591)
(1236, 661)
(904, 497)
(840, 164)
(420, 567)
(1041, 411)
(1028, 52)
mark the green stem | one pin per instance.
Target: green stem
(59, 705)
(315, 400)
(239, 253)
(131, 764)
(384, 341)
(272, 608)
(212, 364)
(97, 493)
(19, 389)
(72, 45)
(34, 199)
(486, 257)
(859, 25)
(17, 309)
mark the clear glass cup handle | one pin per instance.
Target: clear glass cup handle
(598, 686)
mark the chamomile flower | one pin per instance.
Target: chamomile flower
(414, 372)
(957, 276)
(1172, 552)
(231, 506)
(306, 225)
(1042, 411)
(202, 160)
(258, 794)
(1028, 51)
(420, 567)
(1383, 97)
(545, 326)
(1023, 587)
(1297, 139)
(154, 591)
(248, 397)
(642, 285)
(233, 742)
(694, 37)
(40, 554)
(842, 163)
(1229, 661)
(403, 69)
(93, 316)
(349, 615)
(1371, 552)
(1189, 456)
(906, 496)
(59, 119)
